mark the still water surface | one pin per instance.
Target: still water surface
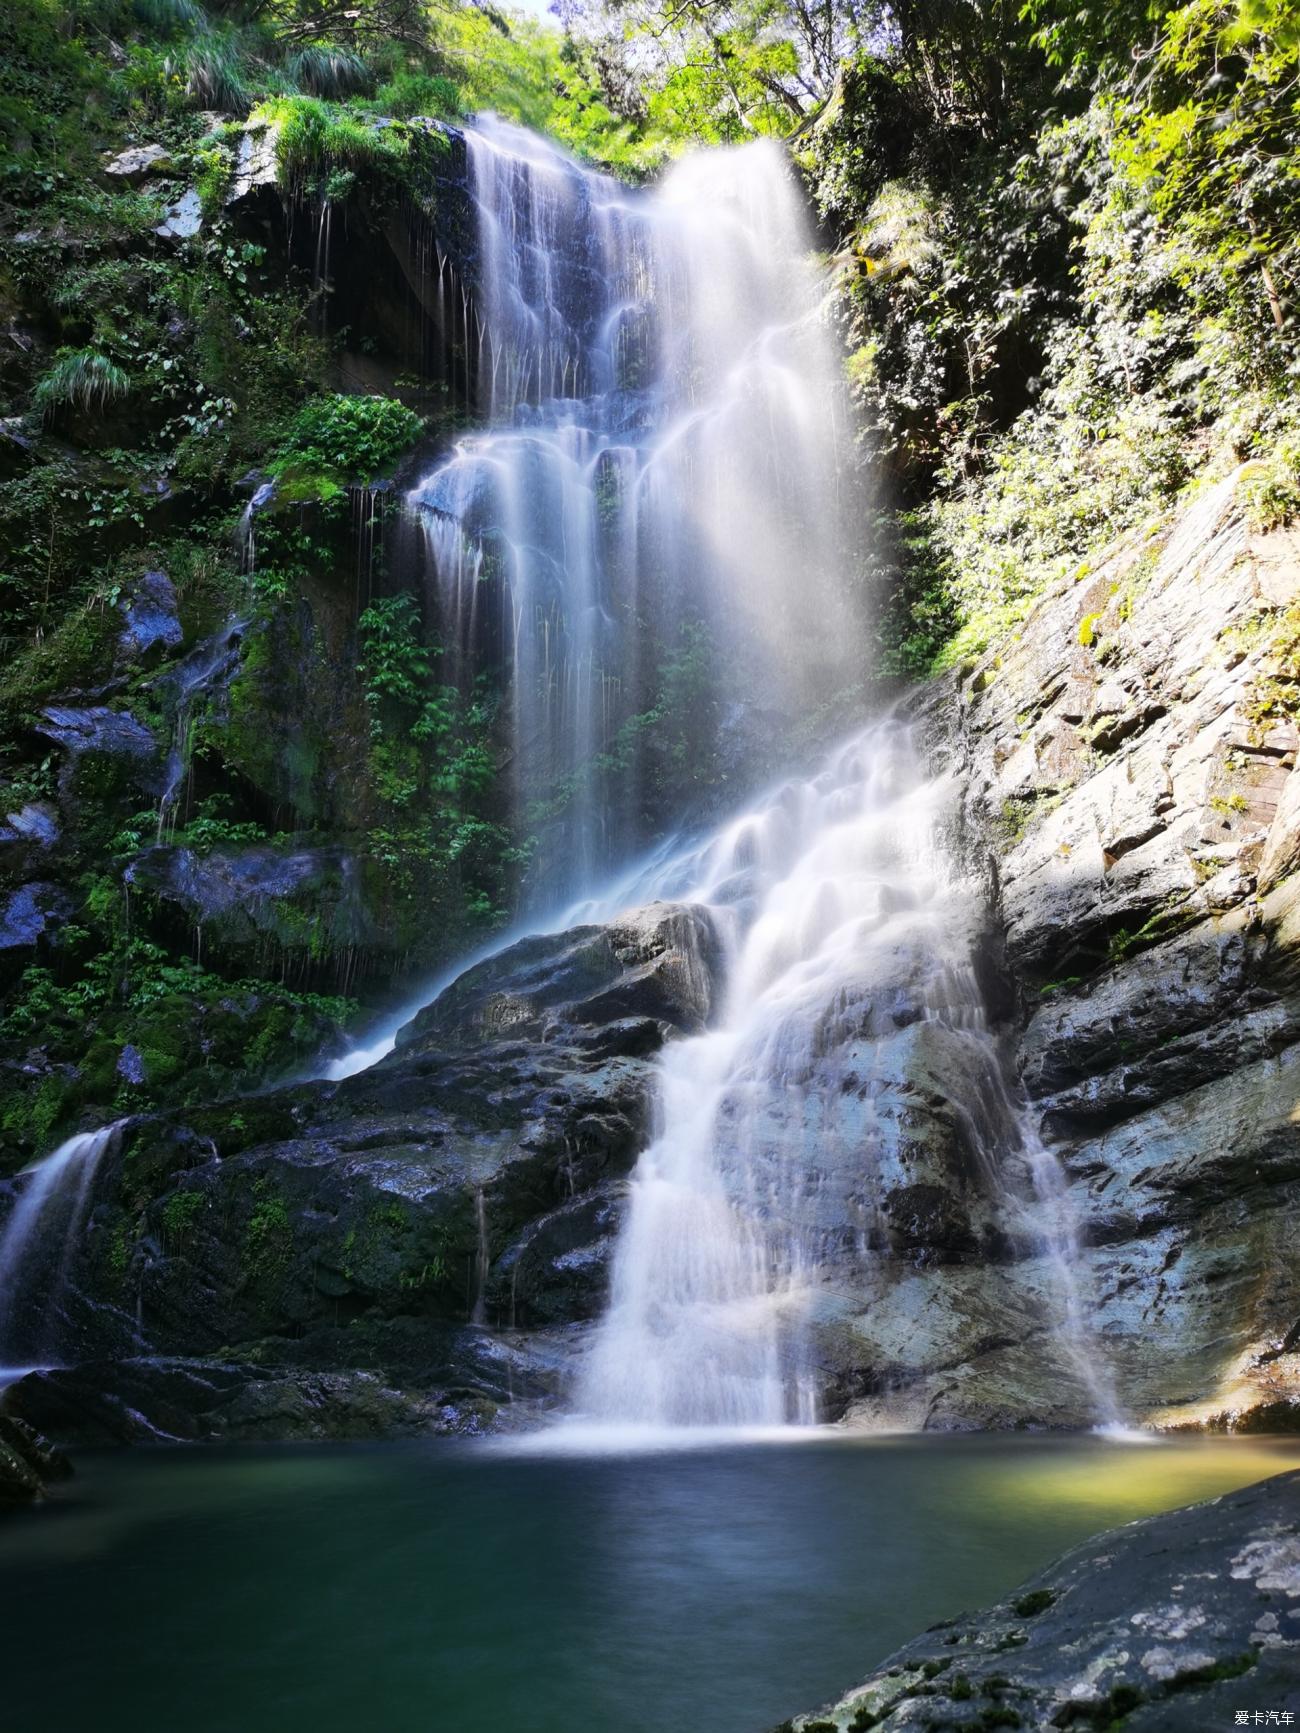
(440, 1588)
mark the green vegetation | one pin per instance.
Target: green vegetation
(80, 379)
(337, 440)
(1067, 257)
(268, 1236)
(1070, 267)
(431, 762)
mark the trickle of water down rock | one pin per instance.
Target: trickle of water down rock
(40, 1239)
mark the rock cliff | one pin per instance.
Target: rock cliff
(1124, 939)
(1129, 793)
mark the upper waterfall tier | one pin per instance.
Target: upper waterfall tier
(652, 520)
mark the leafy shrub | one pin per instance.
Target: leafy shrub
(338, 439)
(409, 93)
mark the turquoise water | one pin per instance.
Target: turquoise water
(442, 1588)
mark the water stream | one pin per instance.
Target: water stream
(844, 922)
(664, 462)
(40, 1239)
(659, 481)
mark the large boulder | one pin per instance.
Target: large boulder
(470, 1179)
(1179, 1621)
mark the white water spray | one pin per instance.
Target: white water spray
(660, 477)
(844, 923)
(51, 1205)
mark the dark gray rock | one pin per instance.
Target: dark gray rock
(656, 963)
(97, 729)
(35, 824)
(31, 913)
(149, 615)
(558, 1268)
(473, 1174)
(1177, 1622)
(149, 1400)
(244, 896)
(29, 1463)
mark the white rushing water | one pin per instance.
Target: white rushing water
(660, 476)
(45, 1221)
(842, 920)
(659, 480)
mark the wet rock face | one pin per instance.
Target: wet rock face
(1176, 1622)
(31, 912)
(249, 897)
(29, 1463)
(654, 966)
(1131, 798)
(150, 616)
(473, 1175)
(150, 1401)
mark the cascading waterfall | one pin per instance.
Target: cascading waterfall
(842, 921)
(659, 477)
(45, 1221)
(659, 480)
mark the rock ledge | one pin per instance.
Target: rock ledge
(1176, 1622)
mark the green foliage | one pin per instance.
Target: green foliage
(395, 665)
(268, 1235)
(80, 379)
(433, 773)
(323, 70)
(341, 439)
(198, 1035)
(315, 138)
(180, 1211)
(1057, 322)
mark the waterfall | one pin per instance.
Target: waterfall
(49, 1212)
(654, 495)
(658, 482)
(844, 923)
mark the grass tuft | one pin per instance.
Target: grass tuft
(329, 72)
(80, 379)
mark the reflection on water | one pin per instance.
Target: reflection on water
(440, 1589)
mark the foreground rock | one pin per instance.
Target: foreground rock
(170, 1401)
(1177, 1622)
(394, 1252)
(29, 1463)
